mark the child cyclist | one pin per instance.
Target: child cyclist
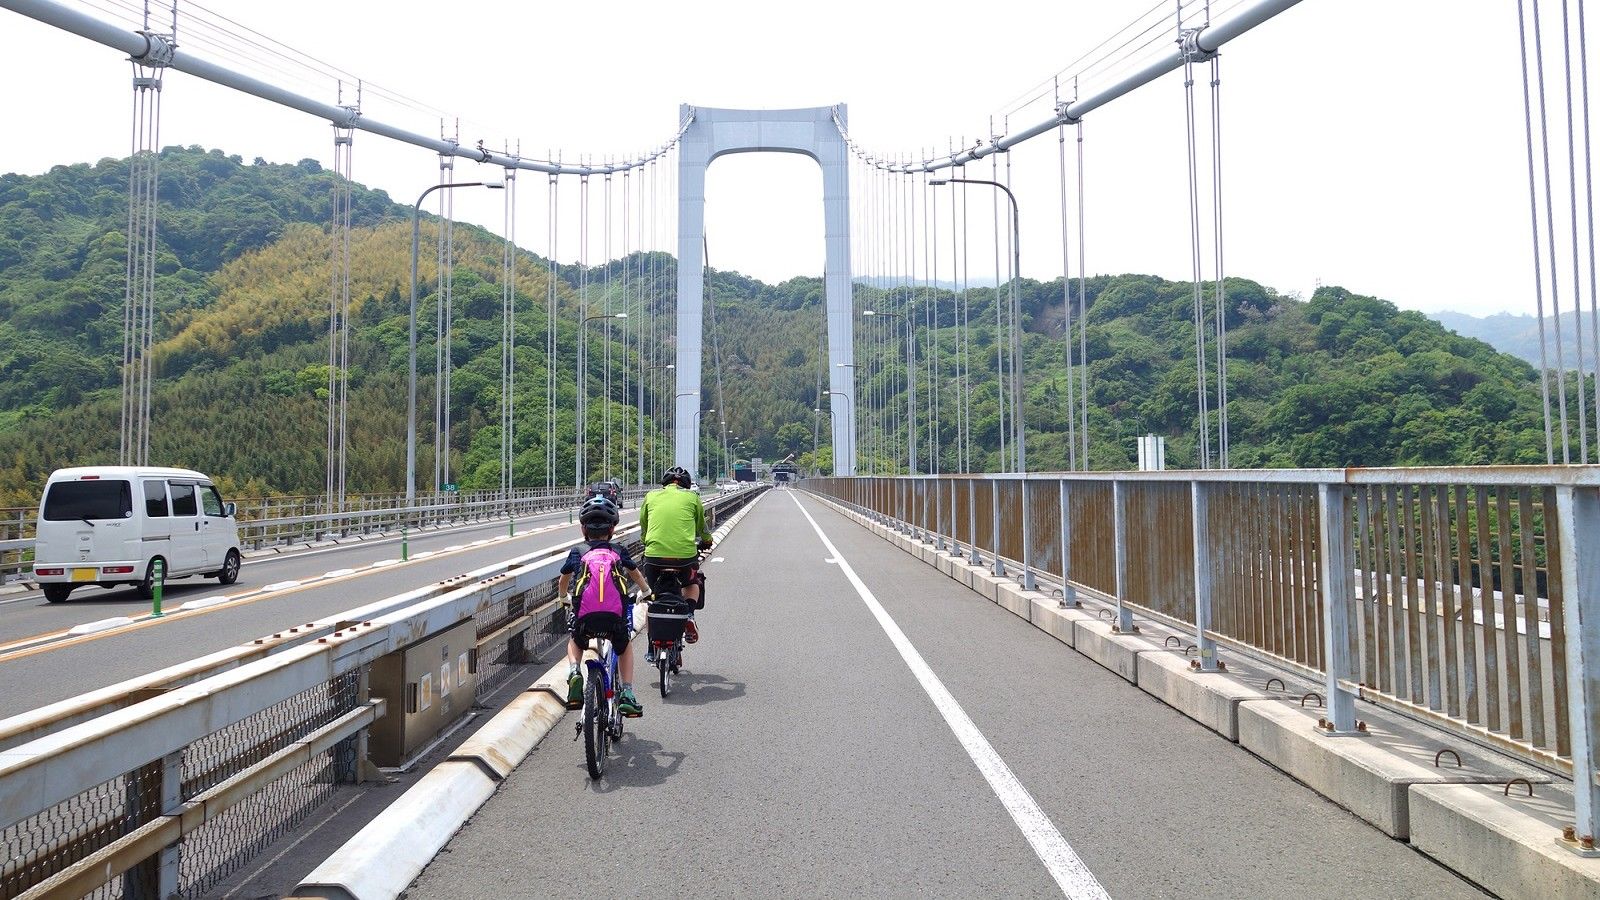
(609, 611)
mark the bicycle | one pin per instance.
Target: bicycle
(668, 617)
(601, 724)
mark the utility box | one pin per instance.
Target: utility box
(429, 686)
(1152, 453)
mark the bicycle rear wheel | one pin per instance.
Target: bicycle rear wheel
(594, 724)
(664, 668)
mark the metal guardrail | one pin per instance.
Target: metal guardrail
(278, 521)
(1466, 597)
(168, 788)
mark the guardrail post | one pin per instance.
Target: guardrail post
(1204, 573)
(972, 520)
(1069, 591)
(950, 521)
(1027, 539)
(938, 517)
(999, 567)
(1119, 518)
(1334, 581)
(1578, 518)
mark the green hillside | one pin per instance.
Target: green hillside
(241, 350)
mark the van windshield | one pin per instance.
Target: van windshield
(70, 500)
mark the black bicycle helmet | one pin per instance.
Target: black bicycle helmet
(598, 512)
(676, 475)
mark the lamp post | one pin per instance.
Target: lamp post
(411, 393)
(694, 422)
(583, 391)
(852, 429)
(1020, 438)
(911, 391)
(849, 426)
(652, 418)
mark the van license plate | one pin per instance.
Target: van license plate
(85, 574)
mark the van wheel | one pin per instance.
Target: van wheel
(230, 568)
(147, 587)
(57, 593)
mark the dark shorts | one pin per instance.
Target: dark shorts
(654, 566)
(609, 625)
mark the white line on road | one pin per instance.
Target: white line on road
(1069, 871)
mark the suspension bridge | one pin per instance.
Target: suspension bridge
(931, 667)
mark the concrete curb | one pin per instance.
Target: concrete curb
(1391, 778)
(383, 858)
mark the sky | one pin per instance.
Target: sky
(1373, 144)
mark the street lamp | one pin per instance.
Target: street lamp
(1016, 316)
(583, 390)
(911, 391)
(694, 423)
(853, 449)
(849, 428)
(411, 394)
(640, 405)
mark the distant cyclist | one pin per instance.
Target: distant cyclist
(599, 567)
(673, 522)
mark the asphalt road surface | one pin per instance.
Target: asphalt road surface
(802, 755)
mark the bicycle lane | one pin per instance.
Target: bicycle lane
(810, 760)
(797, 755)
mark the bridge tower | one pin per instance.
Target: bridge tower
(810, 132)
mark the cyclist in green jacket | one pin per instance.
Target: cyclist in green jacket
(673, 522)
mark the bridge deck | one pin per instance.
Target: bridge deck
(800, 756)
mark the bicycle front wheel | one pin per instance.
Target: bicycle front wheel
(594, 724)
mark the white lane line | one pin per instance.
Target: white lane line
(1069, 871)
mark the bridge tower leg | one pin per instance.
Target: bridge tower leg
(810, 132)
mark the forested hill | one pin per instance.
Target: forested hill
(241, 349)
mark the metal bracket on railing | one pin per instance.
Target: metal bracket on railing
(1167, 644)
(1307, 696)
(1278, 680)
(1442, 752)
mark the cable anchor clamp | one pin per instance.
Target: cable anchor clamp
(159, 49)
(1062, 115)
(1189, 42)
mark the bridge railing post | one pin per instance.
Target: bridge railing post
(1069, 592)
(1027, 537)
(1578, 518)
(938, 515)
(972, 521)
(1336, 589)
(1119, 518)
(994, 527)
(1205, 567)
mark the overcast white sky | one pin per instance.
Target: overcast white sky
(1376, 144)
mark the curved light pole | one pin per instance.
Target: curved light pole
(1016, 315)
(652, 419)
(583, 392)
(911, 391)
(411, 393)
(852, 440)
(849, 422)
(695, 424)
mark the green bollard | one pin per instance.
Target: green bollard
(513, 524)
(160, 578)
(405, 547)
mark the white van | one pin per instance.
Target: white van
(107, 525)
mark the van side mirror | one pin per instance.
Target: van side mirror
(229, 508)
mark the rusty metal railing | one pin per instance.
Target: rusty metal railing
(1468, 597)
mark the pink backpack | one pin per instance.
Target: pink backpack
(600, 586)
